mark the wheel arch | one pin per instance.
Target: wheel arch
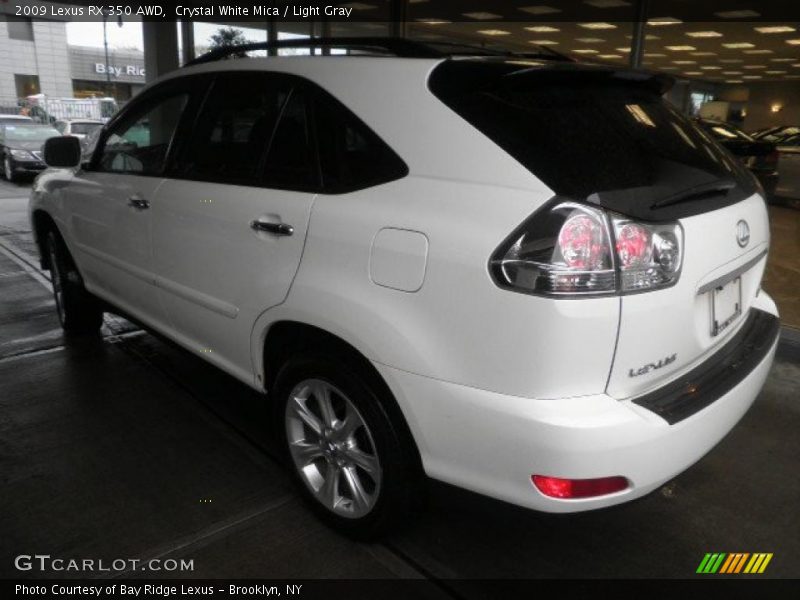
(43, 223)
(287, 338)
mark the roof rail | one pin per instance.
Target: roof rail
(396, 46)
(400, 47)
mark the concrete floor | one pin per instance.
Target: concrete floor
(127, 447)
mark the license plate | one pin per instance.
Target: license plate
(726, 305)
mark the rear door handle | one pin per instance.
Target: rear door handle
(138, 202)
(274, 228)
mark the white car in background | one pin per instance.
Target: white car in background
(80, 128)
(533, 279)
(14, 119)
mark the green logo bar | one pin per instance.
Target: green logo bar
(711, 563)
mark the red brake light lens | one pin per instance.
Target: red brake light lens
(573, 249)
(555, 487)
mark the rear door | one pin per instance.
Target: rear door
(229, 223)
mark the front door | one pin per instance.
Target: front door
(110, 205)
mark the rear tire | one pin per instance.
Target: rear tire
(79, 312)
(350, 461)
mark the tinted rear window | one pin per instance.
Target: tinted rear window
(586, 133)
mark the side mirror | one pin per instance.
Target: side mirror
(62, 152)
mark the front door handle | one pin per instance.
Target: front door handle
(138, 202)
(274, 228)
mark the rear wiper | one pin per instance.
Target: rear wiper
(715, 188)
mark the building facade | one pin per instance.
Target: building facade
(35, 58)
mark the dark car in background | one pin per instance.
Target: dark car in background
(21, 148)
(760, 156)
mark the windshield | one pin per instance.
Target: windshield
(85, 128)
(28, 133)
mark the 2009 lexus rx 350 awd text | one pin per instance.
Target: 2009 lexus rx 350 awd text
(534, 279)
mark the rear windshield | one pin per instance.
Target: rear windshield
(590, 133)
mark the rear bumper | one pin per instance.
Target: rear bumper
(492, 444)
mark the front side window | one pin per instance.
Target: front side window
(139, 144)
(233, 129)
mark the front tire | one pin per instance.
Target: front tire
(350, 461)
(8, 170)
(79, 312)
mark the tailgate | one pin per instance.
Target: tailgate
(666, 332)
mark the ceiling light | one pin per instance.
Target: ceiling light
(680, 48)
(731, 72)
(584, 51)
(758, 51)
(693, 73)
(737, 45)
(704, 34)
(737, 14)
(776, 72)
(751, 76)
(684, 62)
(544, 42)
(654, 55)
(775, 29)
(730, 60)
(543, 29)
(793, 42)
(525, 63)
(540, 10)
(703, 53)
(433, 21)
(589, 40)
(755, 67)
(649, 36)
(483, 16)
(711, 68)
(796, 65)
(626, 50)
(606, 3)
(494, 32)
(662, 21)
(595, 25)
(609, 56)
(783, 59)
(734, 81)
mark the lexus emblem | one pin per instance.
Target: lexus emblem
(742, 233)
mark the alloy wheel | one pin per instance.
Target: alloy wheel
(332, 448)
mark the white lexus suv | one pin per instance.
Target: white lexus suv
(527, 277)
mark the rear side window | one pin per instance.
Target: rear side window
(351, 155)
(292, 161)
(588, 132)
(233, 129)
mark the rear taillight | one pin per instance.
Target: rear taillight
(772, 158)
(570, 249)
